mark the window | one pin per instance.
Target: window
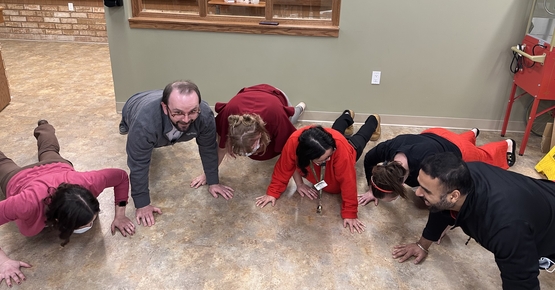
(288, 17)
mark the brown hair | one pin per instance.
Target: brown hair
(243, 133)
(387, 179)
(184, 87)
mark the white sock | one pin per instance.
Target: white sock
(509, 145)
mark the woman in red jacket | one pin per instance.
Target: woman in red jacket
(327, 159)
(255, 123)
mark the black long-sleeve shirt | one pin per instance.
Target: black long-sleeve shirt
(415, 146)
(512, 216)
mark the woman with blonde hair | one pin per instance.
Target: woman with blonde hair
(256, 123)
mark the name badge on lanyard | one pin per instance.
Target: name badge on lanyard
(320, 185)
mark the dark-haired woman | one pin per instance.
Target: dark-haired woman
(396, 161)
(313, 148)
(51, 192)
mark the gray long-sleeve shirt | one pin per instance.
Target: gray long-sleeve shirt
(147, 128)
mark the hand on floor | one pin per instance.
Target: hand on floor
(262, 201)
(364, 199)
(404, 252)
(354, 225)
(145, 215)
(199, 181)
(124, 225)
(308, 191)
(225, 191)
(9, 269)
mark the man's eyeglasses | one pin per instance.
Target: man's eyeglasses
(179, 114)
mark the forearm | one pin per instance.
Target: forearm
(297, 178)
(425, 243)
(437, 222)
(138, 177)
(119, 211)
(118, 179)
(221, 155)
(209, 156)
(139, 191)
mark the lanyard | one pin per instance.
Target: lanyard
(322, 172)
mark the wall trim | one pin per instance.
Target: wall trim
(407, 121)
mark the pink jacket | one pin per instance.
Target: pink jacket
(27, 190)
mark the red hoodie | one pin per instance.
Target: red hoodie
(340, 172)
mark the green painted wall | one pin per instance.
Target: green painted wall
(438, 58)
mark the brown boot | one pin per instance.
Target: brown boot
(376, 135)
(351, 129)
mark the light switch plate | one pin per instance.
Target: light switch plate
(376, 76)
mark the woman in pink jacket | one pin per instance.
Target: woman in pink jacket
(52, 193)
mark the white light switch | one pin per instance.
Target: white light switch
(70, 7)
(376, 75)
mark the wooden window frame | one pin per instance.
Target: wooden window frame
(235, 24)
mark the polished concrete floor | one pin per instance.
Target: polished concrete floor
(200, 242)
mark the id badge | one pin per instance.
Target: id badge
(320, 185)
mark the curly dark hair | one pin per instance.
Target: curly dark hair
(69, 207)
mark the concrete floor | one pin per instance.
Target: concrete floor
(200, 242)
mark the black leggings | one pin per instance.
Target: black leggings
(360, 138)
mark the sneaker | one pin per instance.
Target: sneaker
(476, 132)
(376, 135)
(547, 264)
(351, 129)
(511, 156)
(41, 122)
(301, 105)
(122, 128)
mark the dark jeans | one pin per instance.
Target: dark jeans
(360, 138)
(48, 152)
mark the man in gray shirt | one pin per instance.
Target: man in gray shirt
(160, 118)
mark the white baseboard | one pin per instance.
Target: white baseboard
(408, 121)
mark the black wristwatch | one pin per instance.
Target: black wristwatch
(122, 203)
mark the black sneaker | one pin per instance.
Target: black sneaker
(123, 130)
(511, 156)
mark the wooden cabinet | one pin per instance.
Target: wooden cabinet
(4, 88)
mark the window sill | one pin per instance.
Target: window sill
(233, 26)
